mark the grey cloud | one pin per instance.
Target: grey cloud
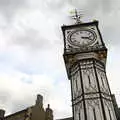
(5, 96)
(92, 6)
(111, 36)
(95, 5)
(18, 105)
(9, 7)
(57, 4)
(32, 39)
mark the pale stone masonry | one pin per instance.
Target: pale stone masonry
(35, 112)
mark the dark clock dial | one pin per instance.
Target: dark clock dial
(82, 37)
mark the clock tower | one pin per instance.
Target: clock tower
(85, 59)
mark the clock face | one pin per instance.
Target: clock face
(82, 37)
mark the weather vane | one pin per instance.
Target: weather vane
(77, 16)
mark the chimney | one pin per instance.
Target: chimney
(39, 100)
(49, 113)
(2, 113)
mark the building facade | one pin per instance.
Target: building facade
(35, 112)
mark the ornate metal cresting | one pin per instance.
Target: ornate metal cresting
(76, 16)
(85, 57)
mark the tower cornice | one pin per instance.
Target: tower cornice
(80, 25)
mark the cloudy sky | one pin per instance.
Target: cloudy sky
(31, 49)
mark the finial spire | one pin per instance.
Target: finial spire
(77, 16)
(48, 105)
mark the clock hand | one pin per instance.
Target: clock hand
(90, 38)
(86, 38)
